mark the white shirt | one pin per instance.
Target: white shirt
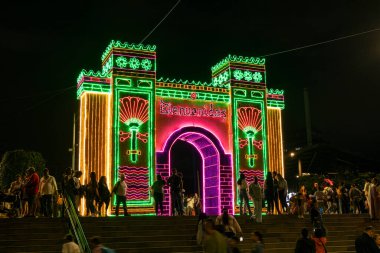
(70, 247)
(48, 186)
(122, 189)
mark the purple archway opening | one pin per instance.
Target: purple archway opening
(217, 176)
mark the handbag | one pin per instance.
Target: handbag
(60, 200)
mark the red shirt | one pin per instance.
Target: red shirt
(32, 185)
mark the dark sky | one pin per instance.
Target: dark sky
(44, 46)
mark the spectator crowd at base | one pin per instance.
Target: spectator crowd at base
(39, 195)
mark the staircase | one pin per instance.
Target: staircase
(32, 235)
(149, 234)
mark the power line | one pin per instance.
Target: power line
(49, 98)
(321, 43)
(33, 95)
(167, 14)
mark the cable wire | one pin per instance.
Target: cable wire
(167, 14)
(321, 43)
(49, 98)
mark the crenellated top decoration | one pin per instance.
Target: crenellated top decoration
(180, 81)
(92, 73)
(119, 44)
(275, 92)
(240, 59)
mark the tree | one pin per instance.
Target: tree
(16, 162)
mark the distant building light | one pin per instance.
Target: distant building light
(298, 148)
(292, 154)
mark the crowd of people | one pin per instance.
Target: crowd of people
(341, 199)
(41, 196)
(224, 234)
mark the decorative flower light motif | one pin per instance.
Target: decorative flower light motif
(146, 64)
(257, 77)
(238, 74)
(247, 75)
(121, 62)
(193, 95)
(134, 63)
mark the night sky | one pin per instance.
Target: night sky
(45, 45)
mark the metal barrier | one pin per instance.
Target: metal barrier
(75, 225)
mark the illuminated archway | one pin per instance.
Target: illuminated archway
(217, 173)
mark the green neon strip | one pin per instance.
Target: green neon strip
(240, 59)
(256, 102)
(180, 81)
(257, 94)
(222, 79)
(93, 87)
(240, 93)
(275, 92)
(184, 94)
(108, 65)
(91, 73)
(150, 154)
(275, 103)
(126, 45)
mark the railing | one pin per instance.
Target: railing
(75, 225)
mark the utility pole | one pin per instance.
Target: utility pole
(307, 117)
(73, 148)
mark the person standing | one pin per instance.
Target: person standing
(158, 194)
(256, 193)
(120, 191)
(243, 196)
(268, 192)
(197, 204)
(275, 192)
(355, 195)
(305, 244)
(104, 195)
(365, 243)
(16, 190)
(47, 191)
(175, 184)
(31, 188)
(372, 199)
(92, 194)
(282, 191)
(366, 188)
(70, 246)
(78, 192)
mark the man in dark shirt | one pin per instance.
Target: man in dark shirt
(305, 244)
(175, 183)
(365, 243)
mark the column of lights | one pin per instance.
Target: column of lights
(94, 138)
(275, 148)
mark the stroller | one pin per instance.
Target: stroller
(8, 204)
